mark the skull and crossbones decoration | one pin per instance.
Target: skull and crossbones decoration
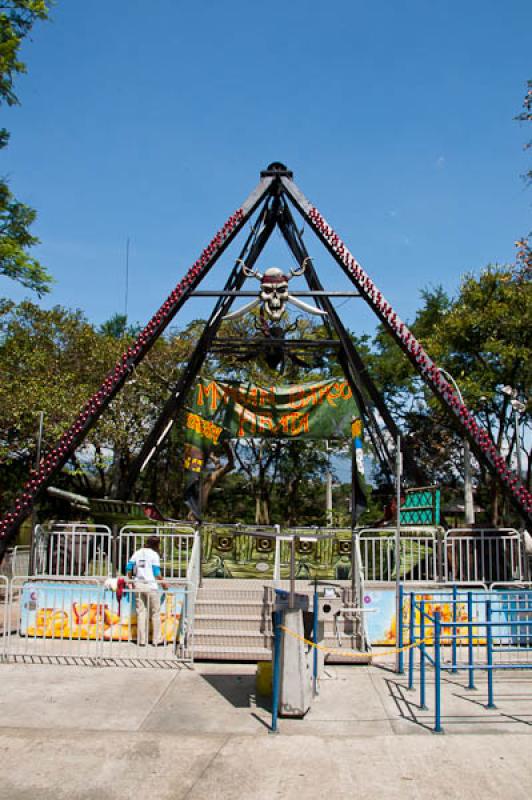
(274, 294)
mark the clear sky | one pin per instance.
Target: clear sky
(152, 121)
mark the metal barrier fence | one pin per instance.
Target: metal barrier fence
(4, 620)
(428, 554)
(175, 548)
(419, 554)
(72, 549)
(495, 634)
(82, 621)
(486, 555)
(16, 561)
(193, 583)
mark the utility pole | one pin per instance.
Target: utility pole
(398, 609)
(518, 408)
(36, 467)
(328, 489)
(469, 508)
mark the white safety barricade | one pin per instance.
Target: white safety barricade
(16, 561)
(484, 554)
(56, 620)
(150, 627)
(175, 549)
(419, 554)
(72, 549)
(4, 620)
(82, 621)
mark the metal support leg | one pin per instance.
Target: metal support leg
(437, 673)
(422, 667)
(489, 655)
(454, 630)
(412, 640)
(470, 640)
(400, 637)
(315, 609)
(276, 687)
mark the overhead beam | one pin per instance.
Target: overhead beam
(223, 293)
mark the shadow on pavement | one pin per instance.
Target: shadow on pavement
(239, 690)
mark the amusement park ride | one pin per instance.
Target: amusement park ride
(271, 205)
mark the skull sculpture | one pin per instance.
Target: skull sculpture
(274, 294)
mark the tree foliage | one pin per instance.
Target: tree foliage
(53, 361)
(483, 338)
(17, 18)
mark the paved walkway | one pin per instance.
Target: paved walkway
(200, 732)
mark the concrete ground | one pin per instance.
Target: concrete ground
(201, 732)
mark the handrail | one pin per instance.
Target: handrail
(500, 637)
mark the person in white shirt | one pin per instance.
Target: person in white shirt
(144, 567)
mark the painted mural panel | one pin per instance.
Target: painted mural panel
(77, 611)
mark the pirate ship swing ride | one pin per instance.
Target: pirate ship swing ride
(271, 204)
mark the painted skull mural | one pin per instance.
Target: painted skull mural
(274, 293)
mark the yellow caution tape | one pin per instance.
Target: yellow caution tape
(352, 653)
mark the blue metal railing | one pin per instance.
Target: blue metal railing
(486, 623)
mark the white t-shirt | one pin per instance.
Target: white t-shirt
(146, 566)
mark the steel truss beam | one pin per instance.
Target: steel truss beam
(481, 443)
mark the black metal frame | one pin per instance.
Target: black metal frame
(276, 187)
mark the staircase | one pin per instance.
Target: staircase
(233, 621)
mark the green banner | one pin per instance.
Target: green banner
(321, 410)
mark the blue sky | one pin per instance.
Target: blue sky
(152, 121)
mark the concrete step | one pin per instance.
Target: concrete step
(233, 622)
(220, 593)
(219, 637)
(228, 602)
(228, 653)
(229, 616)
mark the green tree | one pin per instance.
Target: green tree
(53, 361)
(117, 327)
(17, 18)
(483, 337)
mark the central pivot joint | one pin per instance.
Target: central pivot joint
(275, 170)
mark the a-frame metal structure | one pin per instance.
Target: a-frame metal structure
(272, 200)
